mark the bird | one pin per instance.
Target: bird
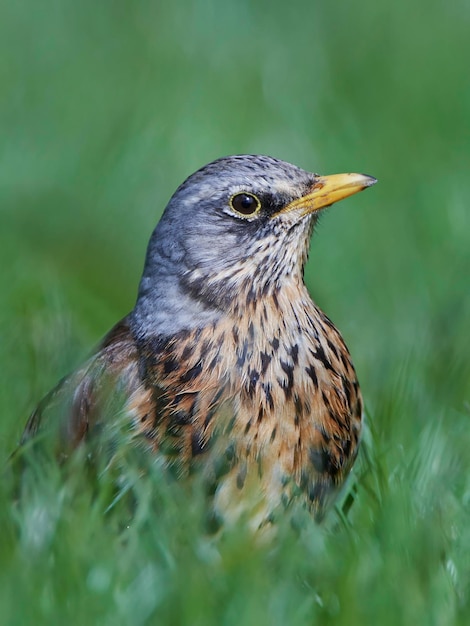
(226, 365)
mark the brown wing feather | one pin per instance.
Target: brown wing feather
(74, 406)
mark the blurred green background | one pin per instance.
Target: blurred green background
(105, 107)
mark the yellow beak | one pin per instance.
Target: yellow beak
(327, 190)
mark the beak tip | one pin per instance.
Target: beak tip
(326, 190)
(369, 181)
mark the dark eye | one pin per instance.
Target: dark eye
(245, 203)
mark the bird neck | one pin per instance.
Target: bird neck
(177, 294)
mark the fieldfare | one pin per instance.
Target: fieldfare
(225, 363)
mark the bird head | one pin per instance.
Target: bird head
(240, 225)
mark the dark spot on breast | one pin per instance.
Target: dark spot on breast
(214, 361)
(250, 297)
(346, 389)
(268, 394)
(275, 300)
(317, 492)
(204, 347)
(187, 352)
(170, 365)
(332, 347)
(273, 434)
(338, 418)
(313, 327)
(230, 452)
(285, 499)
(191, 374)
(210, 414)
(221, 466)
(313, 375)
(339, 394)
(172, 430)
(180, 417)
(294, 352)
(254, 377)
(242, 357)
(322, 461)
(344, 360)
(247, 427)
(265, 361)
(235, 335)
(275, 344)
(320, 355)
(289, 370)
(197, 444)
(149, 360)
(244, 285)
(324, 435)
(298, 405)
(283, 384)
(299, 327)
(241, 475)
(214, 521)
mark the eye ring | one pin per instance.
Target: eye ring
(245, 204)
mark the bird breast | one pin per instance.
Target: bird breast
(268, 397)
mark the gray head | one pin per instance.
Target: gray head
(239, 225)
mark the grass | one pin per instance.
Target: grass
(104, 109)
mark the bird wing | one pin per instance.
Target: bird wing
(81, 401)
